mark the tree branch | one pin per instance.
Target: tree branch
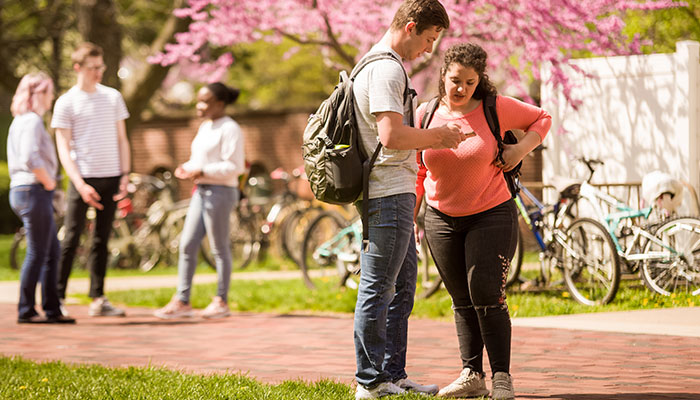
(148, 79)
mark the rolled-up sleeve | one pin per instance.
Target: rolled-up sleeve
(515, 114)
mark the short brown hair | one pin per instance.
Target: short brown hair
(85, 50)
(425, 13)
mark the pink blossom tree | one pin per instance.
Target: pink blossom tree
(519, 35)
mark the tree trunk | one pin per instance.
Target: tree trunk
(147, 80)
(97, 23)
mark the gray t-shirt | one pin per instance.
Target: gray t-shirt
(379, 87)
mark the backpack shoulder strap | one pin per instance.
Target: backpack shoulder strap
(385, 55)
(492, 119)
(430, 109)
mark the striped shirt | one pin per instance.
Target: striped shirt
(92, 119)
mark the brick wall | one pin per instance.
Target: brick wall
(271, 139)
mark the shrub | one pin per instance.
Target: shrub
(9, 222)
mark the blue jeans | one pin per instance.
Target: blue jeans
(209, 214)
(33, 205)
(385, 295)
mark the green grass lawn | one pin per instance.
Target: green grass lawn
(291, 296)
(26, 380)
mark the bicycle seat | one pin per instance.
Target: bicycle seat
(568, 188)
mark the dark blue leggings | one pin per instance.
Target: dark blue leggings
(473, 254)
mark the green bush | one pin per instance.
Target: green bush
(9, 222)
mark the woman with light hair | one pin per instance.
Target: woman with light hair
(32, 162)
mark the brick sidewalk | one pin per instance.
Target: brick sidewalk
(547, 363)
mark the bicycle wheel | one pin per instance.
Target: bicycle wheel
(429, 279)
(591, 265)
(673, 265)
(293, 229)
(242, 241)
(516, 263)
(242, 238)
(325, 243)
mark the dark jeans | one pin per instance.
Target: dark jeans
(74, 223)
(473, 254)
(33, 205)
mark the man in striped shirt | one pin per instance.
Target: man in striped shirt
(94, 150)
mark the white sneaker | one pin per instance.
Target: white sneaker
(101, 307)
(62, 307)
(410, 386)
(381, 390)
(502, 387)
(469, 384)
(174, 309)
(218, 308)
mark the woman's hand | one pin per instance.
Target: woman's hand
(182, 173)
(512, 155)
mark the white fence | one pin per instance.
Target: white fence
(638, 114)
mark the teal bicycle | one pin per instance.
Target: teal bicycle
(665, 253)
(332, 248)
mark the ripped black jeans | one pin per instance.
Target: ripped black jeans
(473, 254)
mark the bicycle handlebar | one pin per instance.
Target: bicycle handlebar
(591, 163)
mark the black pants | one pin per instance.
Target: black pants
(74, 223)
(473, 254)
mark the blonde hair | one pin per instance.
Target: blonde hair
(25, 98)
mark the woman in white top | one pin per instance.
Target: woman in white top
(32, 162)
(216, 161)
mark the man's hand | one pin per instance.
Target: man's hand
(90, 196)
(450, 136)
(123, 185)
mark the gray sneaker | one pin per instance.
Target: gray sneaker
(468, 384)
(410, 386)
(502, 387)
(101, 307)
(381, 390)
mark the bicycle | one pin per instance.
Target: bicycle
(549, 226)
(333, 243)
(663, 252)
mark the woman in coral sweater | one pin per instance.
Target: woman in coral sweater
(471, 220)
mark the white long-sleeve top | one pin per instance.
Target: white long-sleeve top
(218, 151)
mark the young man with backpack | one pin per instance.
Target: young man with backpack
(388, 280)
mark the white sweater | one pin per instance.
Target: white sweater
(218, 151)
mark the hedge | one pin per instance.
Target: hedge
(9, 223)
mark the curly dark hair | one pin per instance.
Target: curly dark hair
(224, 93)
(469, 55)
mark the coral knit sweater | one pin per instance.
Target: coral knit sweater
(464, 181)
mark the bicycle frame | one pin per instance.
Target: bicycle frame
(339, 241)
